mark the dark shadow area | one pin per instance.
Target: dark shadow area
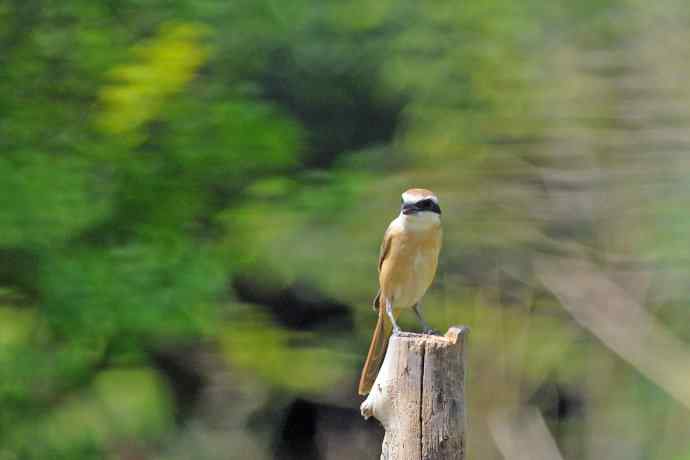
(186, 381)
(19, 270)
(316, 431)
(336, 99)
(557, 402)
(298, 306)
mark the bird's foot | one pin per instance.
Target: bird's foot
(397, 330)
(366, 409)
(430, 331)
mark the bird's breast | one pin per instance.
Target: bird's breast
(410, 267)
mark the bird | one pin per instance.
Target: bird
(407, 265)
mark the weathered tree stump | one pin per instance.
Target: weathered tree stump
(418, 397)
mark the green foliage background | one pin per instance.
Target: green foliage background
(151, 152)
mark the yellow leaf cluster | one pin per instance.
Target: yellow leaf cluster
(162, 67)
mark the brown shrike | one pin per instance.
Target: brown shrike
(407, 265)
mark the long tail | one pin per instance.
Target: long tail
(377, 350)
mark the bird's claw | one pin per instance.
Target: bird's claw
(366, 409)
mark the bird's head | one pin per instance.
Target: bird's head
(420, 204)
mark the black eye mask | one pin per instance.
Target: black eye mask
(421, 206)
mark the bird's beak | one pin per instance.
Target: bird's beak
(409, 208)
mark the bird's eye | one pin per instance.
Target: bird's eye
(424, 204)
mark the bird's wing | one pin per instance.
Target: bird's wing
(385, 247)
(383, 253)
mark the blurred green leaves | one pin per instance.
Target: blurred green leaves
(35, 193)
(115, 175)
(142, 291)
(118, 404)
(234, 140)
(289, 360)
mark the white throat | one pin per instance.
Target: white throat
(418, 222)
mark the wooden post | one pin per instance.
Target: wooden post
(418, 397)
